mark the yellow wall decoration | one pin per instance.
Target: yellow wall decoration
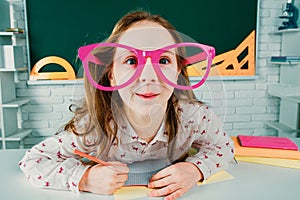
(236, 62)
(69, 74)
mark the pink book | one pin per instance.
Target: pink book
(267, 142)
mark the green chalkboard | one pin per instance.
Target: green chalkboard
(60, 27)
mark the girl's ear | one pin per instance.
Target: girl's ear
(111, 79)
(178, 74)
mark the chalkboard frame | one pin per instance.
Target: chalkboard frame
(220, 16)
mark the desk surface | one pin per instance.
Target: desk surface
(251, 182)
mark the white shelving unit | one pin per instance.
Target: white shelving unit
(11, 132)
(9, 107)
(288, 88)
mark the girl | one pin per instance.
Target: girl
(139, 115)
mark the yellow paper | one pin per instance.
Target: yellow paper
(220, 176)
(133, 192)
(289, 163)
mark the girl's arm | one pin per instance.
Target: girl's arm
(52, 164)
(216, 148)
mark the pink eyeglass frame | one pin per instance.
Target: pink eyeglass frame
(85, 56)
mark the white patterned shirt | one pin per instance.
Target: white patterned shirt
(52, 163)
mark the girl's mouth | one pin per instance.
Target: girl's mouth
(147, 95)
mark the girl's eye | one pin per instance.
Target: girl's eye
(131, 61)
(164, 61)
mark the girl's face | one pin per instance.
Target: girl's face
(148, 90)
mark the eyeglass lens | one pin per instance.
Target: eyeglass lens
(169, 62)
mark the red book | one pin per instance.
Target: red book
(267, 142)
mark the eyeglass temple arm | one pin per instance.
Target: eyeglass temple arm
(200, 57)
(84, 52)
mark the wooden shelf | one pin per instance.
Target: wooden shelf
(283, 90)
(15, 103)
(225, 78)
(13, 69)
(192, 79)
(32, 140)
(295, 99)
(3, 33)
(18, 135)
(56, 82)
(290, 30)
(292, 98)
(285, 63)
(281, 127)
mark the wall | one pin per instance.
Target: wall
(244, 105)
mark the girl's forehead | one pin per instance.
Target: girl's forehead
(146, 35)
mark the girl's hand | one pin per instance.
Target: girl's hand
(106, 180)
(175, 180)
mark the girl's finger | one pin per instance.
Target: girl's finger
(161, 182)
(121, 169)
(161, 174)
(175, 194)
(118, 185)
(122, 178)
(164, 191)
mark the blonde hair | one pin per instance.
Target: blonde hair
(98, 104)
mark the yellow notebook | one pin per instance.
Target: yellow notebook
(289, 163)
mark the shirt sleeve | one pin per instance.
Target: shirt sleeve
(215, 147)
(52, 164)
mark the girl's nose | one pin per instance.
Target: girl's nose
(148, 74)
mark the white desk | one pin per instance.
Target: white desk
(251, 182)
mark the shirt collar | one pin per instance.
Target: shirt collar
(127, 134)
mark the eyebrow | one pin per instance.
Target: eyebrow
(170, 52)
(123, 51)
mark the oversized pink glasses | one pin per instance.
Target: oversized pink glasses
(129, 61)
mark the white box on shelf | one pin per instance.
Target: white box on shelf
(11, 56)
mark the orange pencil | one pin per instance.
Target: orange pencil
(90, 157)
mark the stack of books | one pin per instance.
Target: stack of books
(268, 150)
(285, 59)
